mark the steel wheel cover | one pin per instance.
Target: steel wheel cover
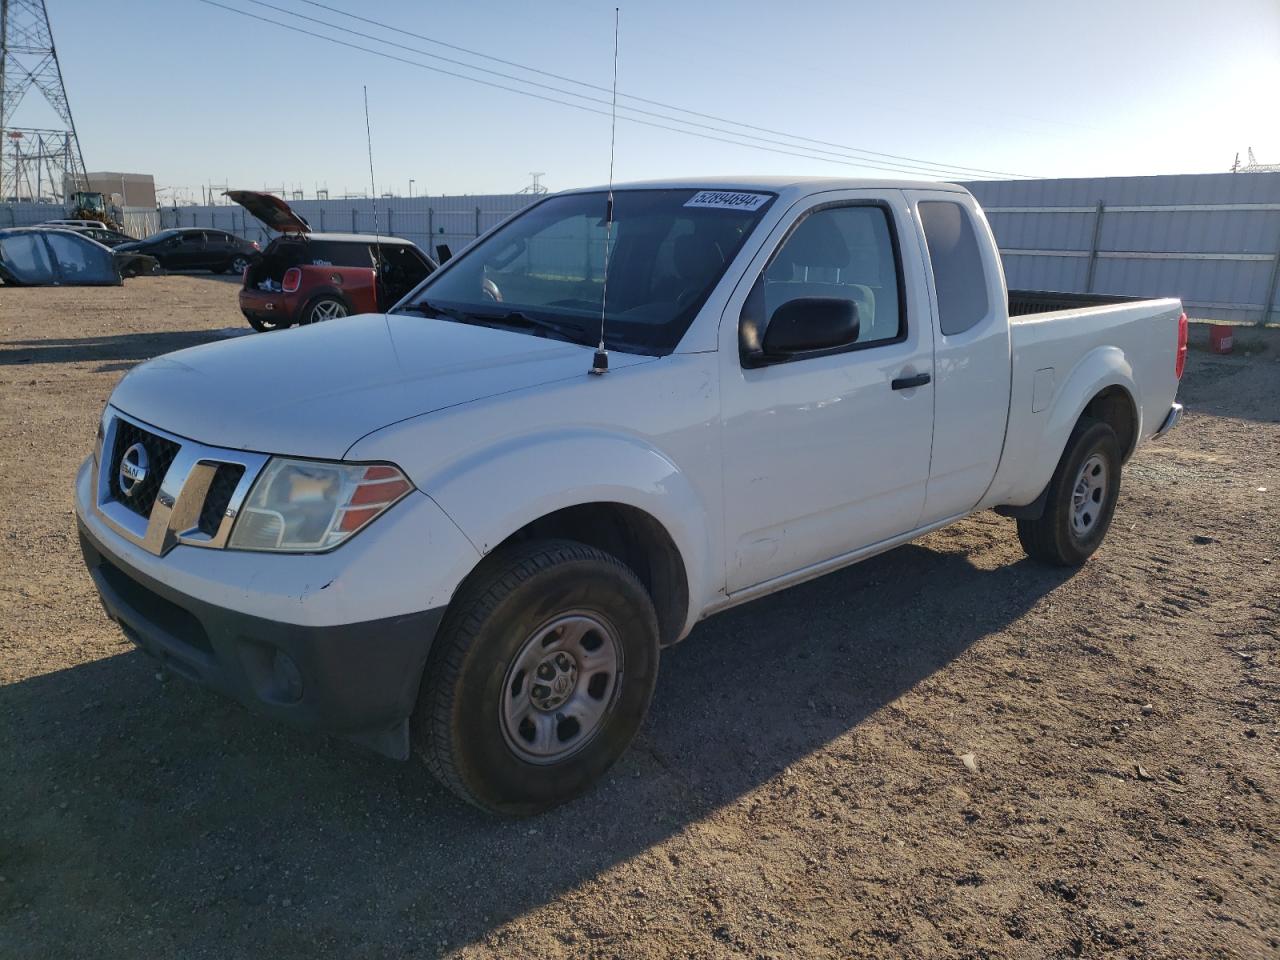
(560, 687)
(1089, 495)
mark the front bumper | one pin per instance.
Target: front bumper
(357, 680)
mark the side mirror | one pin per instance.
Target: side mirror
(443, 253)
(807, 325)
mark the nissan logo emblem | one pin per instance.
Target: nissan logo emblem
(133, 469)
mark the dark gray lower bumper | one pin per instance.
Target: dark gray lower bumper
(357, 680)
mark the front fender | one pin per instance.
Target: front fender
(498, 490)
(1036, 441)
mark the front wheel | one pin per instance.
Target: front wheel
(1081, 499)
(539, 678)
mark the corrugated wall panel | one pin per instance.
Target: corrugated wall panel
(1221, 286)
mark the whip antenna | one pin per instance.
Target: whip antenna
(373, 195)
(600, 363)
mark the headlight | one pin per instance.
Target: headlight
(309, 505)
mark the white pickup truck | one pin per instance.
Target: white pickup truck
(435, 529)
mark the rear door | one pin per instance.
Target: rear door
(828, 454)
(972, 360)
(220, 248)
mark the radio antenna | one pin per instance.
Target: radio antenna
(600, 363)
(373, 196)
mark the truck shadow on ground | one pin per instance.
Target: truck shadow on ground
(109, 351)
(152, 814)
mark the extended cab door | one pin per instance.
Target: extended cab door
(971, 349)
(828, 453)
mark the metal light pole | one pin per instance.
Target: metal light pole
(410, 188)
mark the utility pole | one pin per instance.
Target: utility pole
(29, 61)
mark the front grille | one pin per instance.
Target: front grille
(160, 454)
(218, 498)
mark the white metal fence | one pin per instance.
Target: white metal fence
(427, 221)
(1211, 239)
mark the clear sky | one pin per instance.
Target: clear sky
(194, 94)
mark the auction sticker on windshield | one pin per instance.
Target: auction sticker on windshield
(725, 200)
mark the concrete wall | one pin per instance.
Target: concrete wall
(134, 189)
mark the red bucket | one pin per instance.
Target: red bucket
(1221, 338)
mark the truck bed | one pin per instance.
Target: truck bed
(1022, 302)
(1064, 343)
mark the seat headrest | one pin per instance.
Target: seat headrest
(816, 243)
(696, 256)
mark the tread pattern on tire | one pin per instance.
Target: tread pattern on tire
(1040, 537)
(466, 617)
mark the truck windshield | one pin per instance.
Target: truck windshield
(543, 272)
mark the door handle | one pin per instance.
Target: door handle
(906, 383)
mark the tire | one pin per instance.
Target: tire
(238, 264)
(486, 727)
(1081, 499)
(323, 308)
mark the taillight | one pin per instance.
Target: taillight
(255, 244)
(1180, 363)
(292, 280)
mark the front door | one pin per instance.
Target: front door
(829, 453)
(190, 254)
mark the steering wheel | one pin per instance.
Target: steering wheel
(490, 290)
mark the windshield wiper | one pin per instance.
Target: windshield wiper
(429, 309)
(511, 317)
(567, 330)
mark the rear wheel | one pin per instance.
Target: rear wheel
(539, 678)
(239, 264)
(324, 308)
(1081, 499)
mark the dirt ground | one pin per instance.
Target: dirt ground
(798, 790)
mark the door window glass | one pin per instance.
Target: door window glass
(25, 256)
(958, 275)
(845, 253)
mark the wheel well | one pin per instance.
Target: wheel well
(635, 538)
(1114, 407)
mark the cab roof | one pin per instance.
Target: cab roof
(790, 187)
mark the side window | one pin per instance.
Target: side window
(80, 261)
(193, 239)
(24, 256)
(845, 253)
(958, 275)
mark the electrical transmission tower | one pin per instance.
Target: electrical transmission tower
(536, 188)
(36, 161)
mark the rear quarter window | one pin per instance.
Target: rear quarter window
(336, 254)
(958, 274)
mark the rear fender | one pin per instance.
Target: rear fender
(1033, 456)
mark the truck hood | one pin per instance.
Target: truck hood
(313, 391)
